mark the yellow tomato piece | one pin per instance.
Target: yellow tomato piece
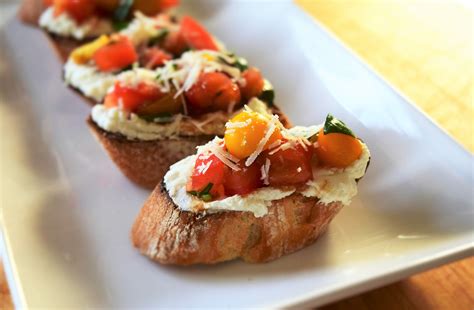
(337, 150)
(84, 53)
(248, 129)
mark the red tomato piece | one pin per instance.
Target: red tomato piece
(168, 4)
(213, 91)
(129, 99)
(79, 10)
(154, 57)
(208, 169)
(290, 167)
(48, 2)
(174, 43)
(253, 85)
(196, 36)
(116, 55)
(243, 181)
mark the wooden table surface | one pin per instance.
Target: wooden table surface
(425, 49)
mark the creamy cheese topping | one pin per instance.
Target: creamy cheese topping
(143, 28)
(66, 26)
(90, 81)
(130, 125)
(329, 185)
(256, 202)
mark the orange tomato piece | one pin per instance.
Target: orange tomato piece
(244, 139)
(337, 150)
(213, 91)
(253, 83)
(79, 10)
(116, 55)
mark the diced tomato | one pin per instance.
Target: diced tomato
(108, 6)
(175, 43)
(213, 91)
(116, 55)
(154, 57)
(196, 35)
(48, 3)
(243, 181)
(168, 4)
(290, 167)
(152, 7)
(253, 83)
(208, 169)
(129, 99)
(80, 10)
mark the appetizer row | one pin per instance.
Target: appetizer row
(163, 87)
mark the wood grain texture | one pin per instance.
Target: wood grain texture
(425, 49)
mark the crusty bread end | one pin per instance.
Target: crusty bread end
(145, 162)
(168, 235)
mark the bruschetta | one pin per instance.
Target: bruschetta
(147, 42)
(260, 192)
(69, 23)
(151, 119)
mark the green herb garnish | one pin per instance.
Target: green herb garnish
(334, 125)
(239, 62)
(158, 38)
(204, 193)
(268, 93)
(123, 10)
(120, 24)
(158, 118)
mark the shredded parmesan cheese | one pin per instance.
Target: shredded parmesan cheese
(270, 129)
(264, 170)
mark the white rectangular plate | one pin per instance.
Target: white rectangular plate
(67, 210)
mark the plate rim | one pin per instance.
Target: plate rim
(311, 298)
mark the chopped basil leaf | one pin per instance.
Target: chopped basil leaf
(206, 189)
(334, 125)
(268, 94)
(158, 118)
(158, 38)
(175, 66)
(123, 10)
(158, 76)
(204, 193)
(120, 24)
(206, 197)
(239, 62)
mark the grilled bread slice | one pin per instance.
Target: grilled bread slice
(168, 235)
(146, 162)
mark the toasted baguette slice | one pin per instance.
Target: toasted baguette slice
(168, 235)
(146, 162)
(30, 12)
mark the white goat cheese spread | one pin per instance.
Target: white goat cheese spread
(86, 78)
(329, 185)
(64, 25)
(131, 126)
(143, 28)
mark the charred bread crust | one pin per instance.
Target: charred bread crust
(145, 162)
(168, 235)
